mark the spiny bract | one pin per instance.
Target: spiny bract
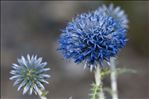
(94, 37)
(30, 74)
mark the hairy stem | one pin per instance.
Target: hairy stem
(95, 90)
(98, 81)
(113, 79)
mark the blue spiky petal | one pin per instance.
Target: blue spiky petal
(94, 37)
(30, 74)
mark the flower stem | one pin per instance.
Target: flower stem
(98, 81)
(113, 79)
(42, 95)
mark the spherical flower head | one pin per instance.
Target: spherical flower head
(30, 74)
(92, 38)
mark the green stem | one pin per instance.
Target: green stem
(98, 81)
(95, 90)
(42, 94)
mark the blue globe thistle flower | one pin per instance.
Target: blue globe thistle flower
(116, 13)
(93, 37)
(30, 74)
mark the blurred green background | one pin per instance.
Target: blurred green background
(34, 27)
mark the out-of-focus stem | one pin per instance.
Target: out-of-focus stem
(113, 79)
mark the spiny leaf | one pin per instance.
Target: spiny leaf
(106, 71)
(95, 90)
(125, 70)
